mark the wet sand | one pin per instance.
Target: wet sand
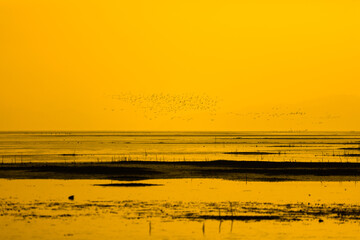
(221, 169)
(178, 209)
(181, 199)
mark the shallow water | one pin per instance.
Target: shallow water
(178, 146)
(178, 209)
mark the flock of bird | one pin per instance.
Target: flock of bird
(187, 106)
(181, 106)
(269, 115)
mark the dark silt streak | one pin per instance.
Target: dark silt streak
(253, 153)
(128, 185)
(221, 169)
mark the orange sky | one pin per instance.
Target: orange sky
(179, 65)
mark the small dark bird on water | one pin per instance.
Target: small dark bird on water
(71, 197)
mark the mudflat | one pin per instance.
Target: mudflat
(220, 169)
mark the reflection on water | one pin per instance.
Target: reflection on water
(178, 209)
(179, 146)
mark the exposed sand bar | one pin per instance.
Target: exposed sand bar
(139, 170)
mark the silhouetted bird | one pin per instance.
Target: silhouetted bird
(71, 197)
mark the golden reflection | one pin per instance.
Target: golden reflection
(284, 74)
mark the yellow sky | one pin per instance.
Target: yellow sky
(179, 65)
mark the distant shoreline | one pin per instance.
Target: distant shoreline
(220, 169)
(186, 133)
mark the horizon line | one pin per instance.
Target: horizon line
(273, 131)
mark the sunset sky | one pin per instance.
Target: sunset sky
(179, 65)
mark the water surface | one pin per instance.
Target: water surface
(179, 146)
